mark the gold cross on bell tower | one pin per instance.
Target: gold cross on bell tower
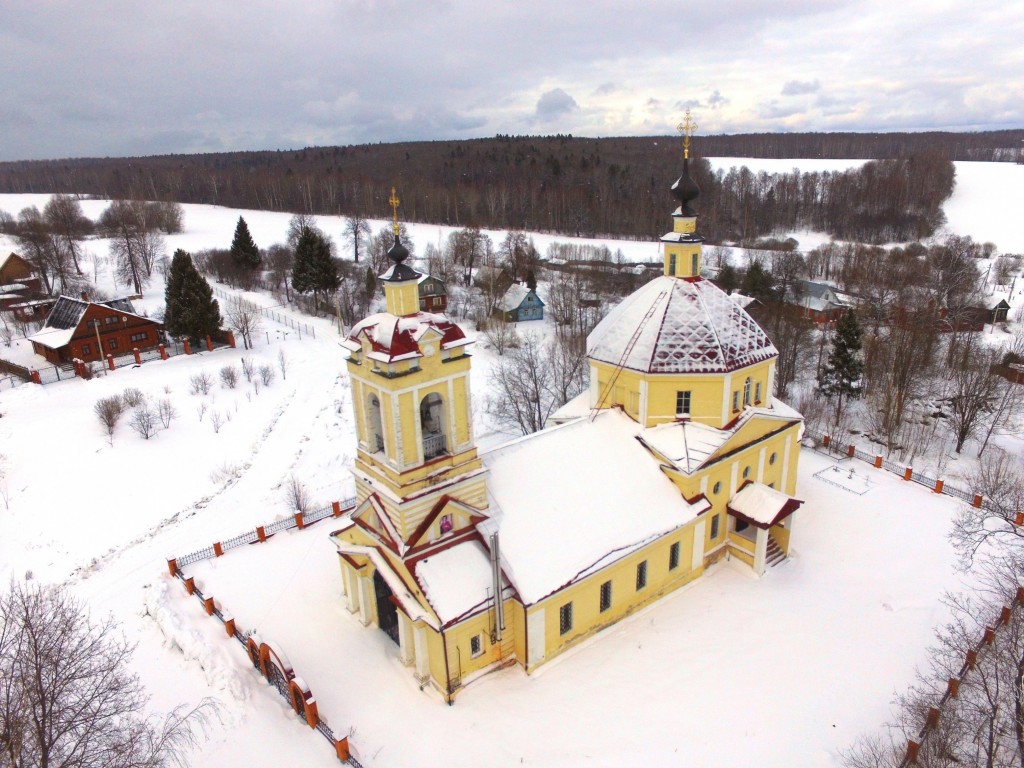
(394, 201)
(687, 127)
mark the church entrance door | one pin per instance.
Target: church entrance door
(387, 613)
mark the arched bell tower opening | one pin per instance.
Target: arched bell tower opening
(432, 422)
(376, 430)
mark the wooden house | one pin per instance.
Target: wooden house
(21, 290)
(519, 303)
(433, 295)
(86, 330)
(819, 302)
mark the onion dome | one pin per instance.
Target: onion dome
(399, 272)
(685, 190)
(679, 326)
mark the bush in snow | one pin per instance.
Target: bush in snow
(228, 376)
(266, 375)
(144, 421)
(200, 383)
(166, 411)
(248, 367)
(217, 420)
(132, 397)
(108, 410)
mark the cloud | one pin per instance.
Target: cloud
(716, 100)
(799, 88)
(604, 89)
(555, 103)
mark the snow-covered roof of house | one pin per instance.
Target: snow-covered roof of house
(456, 580)
(67, 314)
(762, 506)
(689, 325)
(555, 524)
(394, 338)
(817, 296)
(513, 297)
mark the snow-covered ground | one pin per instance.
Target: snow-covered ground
(731, 671)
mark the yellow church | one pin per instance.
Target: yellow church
(678, 457)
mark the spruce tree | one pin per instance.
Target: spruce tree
(191, 311)
(840, 376)
(244, 252)
(314, 270)
(758, 283)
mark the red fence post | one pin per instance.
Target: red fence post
(172, 566)
(231, 339)
(209, 343)
(336, 508)
(208, 605)
(229, 626)
(850, 450)
(298, 520)
(933, 717)
(954, 687)
(138, 357)
(825, 440)
(341, 747)
(110, 361)
(878, 461)
(218, 550)
(163, 352)
(908, 473)
(1018, 519)
(260, 533)
(972, 659)
(188, 347)
(34, 375)
(977, 501)
(190, 585)
(938, 486)
(912, 749)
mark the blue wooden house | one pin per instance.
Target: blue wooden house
(519, 303)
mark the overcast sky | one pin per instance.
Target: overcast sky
(123, 77)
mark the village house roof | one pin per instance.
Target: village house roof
(688, 326)
(67, 314)
(556, 527)
(456, 580)
(819, 297)
(394, 338)
(514, 297)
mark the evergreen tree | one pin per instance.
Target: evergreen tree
(244, 252)
(314, 270)
(840, 376)
(191, 310)
(727, 278)
(758, 283)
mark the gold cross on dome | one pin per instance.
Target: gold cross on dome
(687, 128)
(394, 201)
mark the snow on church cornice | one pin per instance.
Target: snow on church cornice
(694, 328)
(393, 338)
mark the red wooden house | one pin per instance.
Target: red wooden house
(87, 330)
(21, 291)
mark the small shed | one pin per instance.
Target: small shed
(86, 330)
(433, 295)
(519, 303)
(1000, 310)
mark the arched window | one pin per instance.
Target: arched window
(746, 391)
(432, 426)
(375, 427)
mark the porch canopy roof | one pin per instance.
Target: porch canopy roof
(761, 506)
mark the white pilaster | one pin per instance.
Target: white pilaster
(760, 551)
(535, 637)
(421, 652)
(405, 641)
(365, 601)
(784, 486)
(697, 560)
(643, 402)
(760, 465)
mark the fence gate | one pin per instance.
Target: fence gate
(277, 679)
(387, 613)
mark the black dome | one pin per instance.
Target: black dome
(685, 190)
(398, 252)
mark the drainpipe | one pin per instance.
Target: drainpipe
(499, 607)
(447, 673)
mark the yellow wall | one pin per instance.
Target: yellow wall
(586, 595)
(710, 394)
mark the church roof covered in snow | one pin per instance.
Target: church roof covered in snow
(456, 580)
(681, 326)
(395, 338)
(555, 526)
(762, 506)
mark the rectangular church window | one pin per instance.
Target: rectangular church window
(683, 403)
(476, 645)
(641, 575)
(565, 619)
(714, 527)
(606, 596)
(673, 556)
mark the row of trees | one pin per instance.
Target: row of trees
(52, 239)
(616, 186)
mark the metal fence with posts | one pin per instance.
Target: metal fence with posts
(269, 313)
(304, 704)
(828, 444)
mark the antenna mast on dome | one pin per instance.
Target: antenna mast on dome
(687, 128)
